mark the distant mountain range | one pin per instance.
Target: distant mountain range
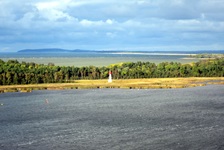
(58, 50)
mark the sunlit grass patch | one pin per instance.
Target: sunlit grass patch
(150, 83)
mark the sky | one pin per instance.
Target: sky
(148, 25)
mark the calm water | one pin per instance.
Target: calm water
(94, 58)
(113, 119)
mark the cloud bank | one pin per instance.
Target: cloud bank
(111, 24)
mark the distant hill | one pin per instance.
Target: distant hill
(52, 50)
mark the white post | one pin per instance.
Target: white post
(110, 77)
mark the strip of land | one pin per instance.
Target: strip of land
(152, 83)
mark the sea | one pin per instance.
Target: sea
(99, 58)
(113, 119)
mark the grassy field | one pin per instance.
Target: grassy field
(153, 83)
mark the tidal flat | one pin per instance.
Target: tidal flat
(113, 119)
(94, 59)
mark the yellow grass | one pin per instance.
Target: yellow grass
(150, 83)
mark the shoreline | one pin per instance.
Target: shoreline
(194, 58)
(99, 61)
(160, 54)
(150, 83)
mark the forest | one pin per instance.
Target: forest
(13, 72)
(208, 56)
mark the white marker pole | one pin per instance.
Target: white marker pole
(110, 77)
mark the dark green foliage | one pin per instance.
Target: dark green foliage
(208, 56)
(12, 72)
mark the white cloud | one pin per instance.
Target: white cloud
(86, 22)
(59, 4)
(78, 3)
(89, 23)
(141, 2)
(108, 21)
(54, 10)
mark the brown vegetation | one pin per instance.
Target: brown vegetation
(152, 83)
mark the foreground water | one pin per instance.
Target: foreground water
(190, 118)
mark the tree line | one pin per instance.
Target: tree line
(208, 56)
(13, 72)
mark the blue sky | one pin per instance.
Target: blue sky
(112, 24)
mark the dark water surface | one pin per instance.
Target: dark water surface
(191, 118)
